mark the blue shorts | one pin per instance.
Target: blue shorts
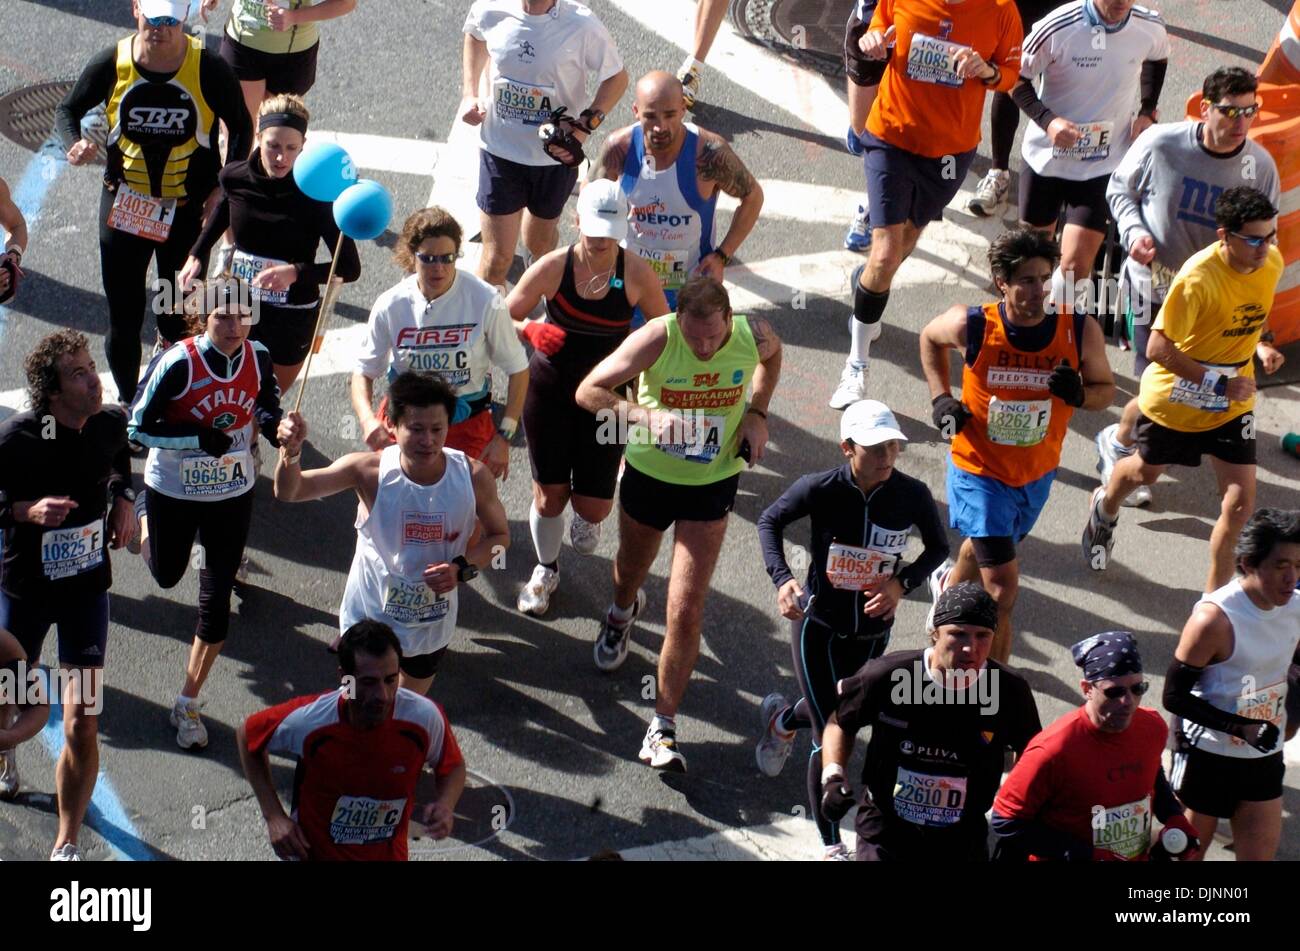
(504, 187)
(903, 186)
(983, 507)
(83, 626)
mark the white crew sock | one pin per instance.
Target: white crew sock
(548, 535)
(859, 341)
(659, 723)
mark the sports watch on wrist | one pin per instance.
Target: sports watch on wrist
(466, 572)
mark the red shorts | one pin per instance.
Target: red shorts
(471, 436)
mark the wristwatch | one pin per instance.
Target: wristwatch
(127, 493)
(591, 119)
(467, 572)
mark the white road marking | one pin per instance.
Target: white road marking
(790, 839)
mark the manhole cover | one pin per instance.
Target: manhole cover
(810, 32)
(484, 811)
(27, 116)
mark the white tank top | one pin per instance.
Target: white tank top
(410, 527)
(1252, 681)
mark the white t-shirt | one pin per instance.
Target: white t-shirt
(1091, 77)
(460, 335)
(535, 65)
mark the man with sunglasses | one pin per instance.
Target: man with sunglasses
(1228, 687)
(1197, 397)
(165, 97)
(1086, 788)
(1162, 197)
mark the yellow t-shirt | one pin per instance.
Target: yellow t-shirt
(1214, 315)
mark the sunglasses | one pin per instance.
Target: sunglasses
(1114, 693)
(1236, 112)
(1255, 241)
(437, 258)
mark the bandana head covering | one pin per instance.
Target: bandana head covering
(965, 603)
(1107, 656)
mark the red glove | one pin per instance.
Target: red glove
(1193, 849)
(545, 337)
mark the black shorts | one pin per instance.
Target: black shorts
(422, 666)
(1293, 694)
(1216, 785)
(1042, 196)
(82, 623)
(1234, 443)
(994, 550)
(284, 72)
(565, 442)
(286, 332)
(659, 504)
(861, 71)
(504, 186)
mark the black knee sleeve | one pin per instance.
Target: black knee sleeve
(868, 306)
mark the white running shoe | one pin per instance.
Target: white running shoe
(773, 749)
(659, 751)
(241, 573)
(190, 731)
(535, 596)
(67, 852)
(938, 580)
(1108, 456)
(859, 234)
(990, 193)
(614, 638)
(1138, 498)
(852, 387)
(584, 536)
(9, 781)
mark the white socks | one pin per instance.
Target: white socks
(548, 535)
(859, 341)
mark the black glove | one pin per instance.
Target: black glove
(949, 414)
(214, 442)
(1066, 384)
(9, 263)
(557, 133)
(837, 799)
(1261, 734)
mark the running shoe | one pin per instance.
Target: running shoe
(990, 193)
(1098, 534)
(535, 596)
(1107, 456)
(67, 852)
(584, 536)
(859, 236)
(852, 386)
(773, 749)
(9, 781)
(691, 83)
(938, 580)
(615, 637)
(659, 751)
(836, 853)
(241, 573)
(190, 731)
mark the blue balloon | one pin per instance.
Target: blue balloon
(324, 171)
(362, 212)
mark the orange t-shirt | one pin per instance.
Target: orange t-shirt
(923, 106)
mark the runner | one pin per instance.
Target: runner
(538, 54)
(863, 513)
(941, 722)
(921, 136)
(443, 319)
(360, 751)
(1093, 100)
(1086, 788)
(689, 435)
(272, 47)
(1162, 198)
(21, 717)
(571, 463)
(1197, 397)
(200, 408)
(15, 244)
(673, 201)
(165, 95)
(708, 17)
(1024, 373)
(863, 82)
(60, 463)
(416, 539)
(1228, 687)
(276, 230)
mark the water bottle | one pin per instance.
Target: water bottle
(1171, 844)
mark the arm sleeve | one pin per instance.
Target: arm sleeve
(503, 346)
(933, 537)
(267, 411)
(1026, 98)
(214, 229)
(1152, 81)
(1024, 837)
(349, 267)
(222, 91)
(146, 426)
(1180, 701)
(1127, 185)
(794, 504)
(94, 86)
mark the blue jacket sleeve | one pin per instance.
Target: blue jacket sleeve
(793, 505)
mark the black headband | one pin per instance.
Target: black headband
(1107, 656)
(272, 119)
(966, 603)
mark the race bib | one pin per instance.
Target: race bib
(1191, 394)
(669, 266)
(857, 569)
(409, 602)
(701, 438)
(524, 103)
(142, 215)
(360, 820)
(927, 800)
(1124, 830)
(70, 551)
(247, 266)
(1093, 143)
(1267, 703)
(931, 60)
(450, 364)
(206, 477)
(1018, 422)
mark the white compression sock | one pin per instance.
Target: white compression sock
(859, 341)
(548, 535)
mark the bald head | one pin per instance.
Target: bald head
(659, 90)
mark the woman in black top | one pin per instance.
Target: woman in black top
(277, 230)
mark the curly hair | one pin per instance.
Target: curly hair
(42, 365)
(426, 223)
(1013, 248)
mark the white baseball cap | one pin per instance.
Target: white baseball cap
(602, 210)
(180, 9)
(869, 422)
